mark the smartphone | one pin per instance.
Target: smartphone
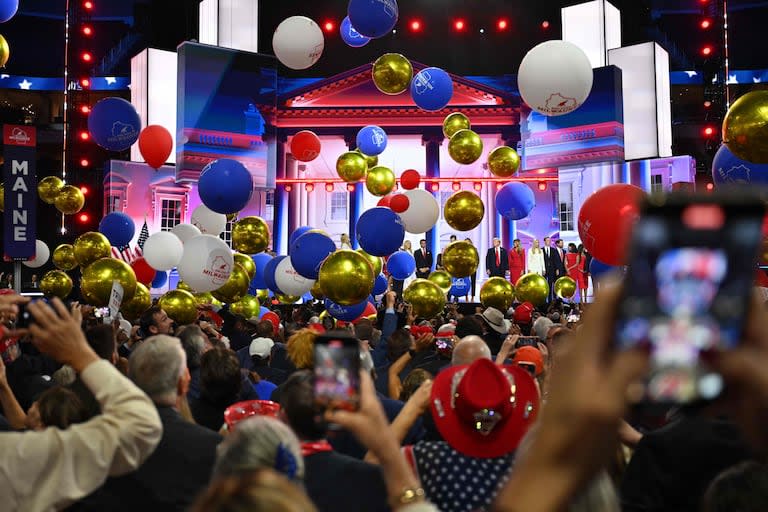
(527, 341)
(23, 317)
(687, 289)
(337, 372)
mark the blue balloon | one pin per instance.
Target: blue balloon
(307, 297)
(260, 260)
(309, 251)
(372, 300)
(597, 268)
(8, 9)
(345, 313)
(114, 124)
(432, 89)
(225, 186)
(160, 279)
(269, 273)
(380, 284)
(460, 286)
(371, 140)
(351, 36)
(401, 265)
(373, 18)
(380, 231)
(118, 228)
(728, 169)
(262, 311)
(515, 201)
(296, 234)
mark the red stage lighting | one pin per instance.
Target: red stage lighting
(85, 135)
(707, 104)
(84, 217)
(85, 109)
(85, 82)
(86, 56)
(88, 5)
(459, 25)
(329, 187)
(542, 186)
(456, 186)
(288, 187)
(502, 24)
(350, 187)
(545, 24)
(706, 51)
(499, 186)
(309, 187)
(710, 187)
(84, 190)
(705, 24)
(84, 162)
(478, 186)
(87, 30)
(329, 26)
(708, 131)
(435, 187)
(415, 25)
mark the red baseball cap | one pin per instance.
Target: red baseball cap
(530, 355)
(523, 313)
(483, 410)
(239, 411)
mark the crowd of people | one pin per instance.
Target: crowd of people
(480, 410)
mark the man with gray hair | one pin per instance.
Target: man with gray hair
(541, 327)
(470, 349)
(181, 465)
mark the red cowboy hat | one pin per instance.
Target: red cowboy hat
(483, 410)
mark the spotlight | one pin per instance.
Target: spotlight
(84, 190)
(705, 24)
(86, 56)
(329, 26)
(456, 186)
(85, 109)
(706, 51)
(85, 82)
(309, 187)
(710, 187)
(708, 131)
(707, 104)
(415, 25)
(350, 187)
(85, 135)
(84, 217)
(459, 25)
(545, 24)
(87, 30)
(478, 186)
(435, 187)
(288, 187)
(542, 186)
(499, 186)
(502, 24)
(84, 162)
(88, 5)
(329, 187)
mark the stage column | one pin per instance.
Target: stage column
(640, 174)
(507, 229)
(280, 214)
(356, 195)
(431, 142)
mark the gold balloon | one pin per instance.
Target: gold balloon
(464, 210)
(372, 161)
(49, 187)
(262, 295)
(351, 166)
(317, 292)
(90, 247)
(250, 235)
(2, 197)
(287, 299)
(139, 303)
(532, 288)
(236, 286)
(56, 283)
(454, 122)
(392, 73)
(184, 286)
(376, 262)
(497, 293)
(346, 277)
(206, 298)
(5, 52)
(460, 259)
(503, 162)
(745, 127)
(96, 284)
(426, 298)
(246, 307)
(380, 181)
(442, 279)
(247, 263)
(64, 257)
(465, 147)
(565, 287)
(70, 200)
(180, 305)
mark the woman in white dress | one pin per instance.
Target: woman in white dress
(346, 243)
(536, 259)
(407, 247)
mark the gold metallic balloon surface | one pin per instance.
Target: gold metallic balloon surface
(70, 200)
(442, 279)
(246, 307)
(454, 122)
(180, 305)
(376, 262)
(139, 303)
(497, 293)
(56, 283)
(262, 295)
(206, 298)
(380, 181)
(96, 283)
(745, 127)
(49, 187)
(351, 166)
(184, 286)
(372, 161)
(464, 210)
(532, 288)
(236, 286)
(503, 162)
(247, 263)
(565, 287)
(346, 277)
(5, 52)
(465, 147)
(287, 299)
(250, 235)
(2, 197)
(392, 73)
(317, 292)
(90, 247)
(64, 257)
(460, 259)
(427, 298)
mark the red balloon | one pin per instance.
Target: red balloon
(305, 146)
(606, 219)
(155, 144)
(384, 201)
(399, 203)
(144, 273)
(410, 179)
(369, 310)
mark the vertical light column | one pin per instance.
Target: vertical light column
(280, 215)
(431, 143)
(595, 27)
(230, 23)
(355, 196)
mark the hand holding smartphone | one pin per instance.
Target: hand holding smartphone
(337, 372)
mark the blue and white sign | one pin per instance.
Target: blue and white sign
(20, 183)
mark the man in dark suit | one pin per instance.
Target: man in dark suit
(554, 267)
(423, 258)
(496, 262)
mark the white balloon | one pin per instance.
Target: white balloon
(422, 213)
(206, 264)
(163, 250)
(208, 221)
(42, 253)
(555, 78)
(185, 231)
(298, 42)
(289, 281)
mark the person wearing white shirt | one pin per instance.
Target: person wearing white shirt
(536, 259)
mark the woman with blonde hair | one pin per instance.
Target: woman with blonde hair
(536, 259)
(301, 349)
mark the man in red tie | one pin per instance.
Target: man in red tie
(496, 262)
(423, 258)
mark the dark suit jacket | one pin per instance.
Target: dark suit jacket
(553, 265)
(490, 262)
(422, 261)
(338, 482)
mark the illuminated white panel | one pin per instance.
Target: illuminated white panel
(646, 92)
(209, 22)
(230, 23)
(595, 27)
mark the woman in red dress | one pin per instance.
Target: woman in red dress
(516, 261)
(574, 266)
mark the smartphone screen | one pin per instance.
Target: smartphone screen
(527, 341)
(337, 372)
(687, 290)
